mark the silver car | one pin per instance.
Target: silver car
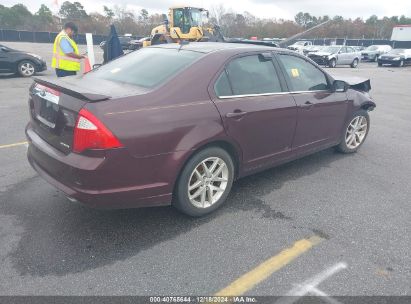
(372, 52)
(336, 55)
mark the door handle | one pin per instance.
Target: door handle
(236, 114)
(307, 105)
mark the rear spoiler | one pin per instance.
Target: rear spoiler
(66, 87)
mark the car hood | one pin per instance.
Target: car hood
(357, 83)
(320, 53)
(392, 55)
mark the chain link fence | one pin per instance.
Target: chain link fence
(42, 37)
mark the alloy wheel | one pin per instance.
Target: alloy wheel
(356, 132)
(208, 182)
(27, 69)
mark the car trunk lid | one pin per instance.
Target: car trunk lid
(56, 102)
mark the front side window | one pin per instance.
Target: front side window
(252, 75)
(302, 75)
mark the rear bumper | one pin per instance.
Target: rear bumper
(100, 182)
(370, 57)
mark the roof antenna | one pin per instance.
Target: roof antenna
(181, 41)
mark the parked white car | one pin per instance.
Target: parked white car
(299, 46)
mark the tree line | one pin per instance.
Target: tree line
(232, 24)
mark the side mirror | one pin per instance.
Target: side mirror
(340, 86)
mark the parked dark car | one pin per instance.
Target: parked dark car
(177, 124)
(137, 44)
(124, 41)
(396, 57)
(19, 62)
(336, 55)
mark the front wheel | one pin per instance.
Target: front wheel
(401, 64)
(26, 68)
(332, 63)
(354, 64)
(205, 182)
(355, 132)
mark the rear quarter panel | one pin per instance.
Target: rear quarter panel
(167, 124)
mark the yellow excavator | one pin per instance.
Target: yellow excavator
(184, 23)
(189, 24)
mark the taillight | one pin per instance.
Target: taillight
(91, 133)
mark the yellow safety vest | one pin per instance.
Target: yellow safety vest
(60, 60)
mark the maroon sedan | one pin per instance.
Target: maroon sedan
(177, 125)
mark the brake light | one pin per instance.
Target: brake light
(91, 133)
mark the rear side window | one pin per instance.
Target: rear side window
(222, 86)
(148, 67)
(250, 75)
(302, 75)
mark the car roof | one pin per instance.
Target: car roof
(210, 47)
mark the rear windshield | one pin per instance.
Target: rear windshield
(147, 68)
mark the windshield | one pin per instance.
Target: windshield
(397, 51)
(372, 48)
(331, 49)
(185, 18)
(148, 67)
(300, 43)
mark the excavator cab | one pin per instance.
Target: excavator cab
(182, 23)
(187, 23)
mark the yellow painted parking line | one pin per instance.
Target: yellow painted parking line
(268, 267)
(13, 145)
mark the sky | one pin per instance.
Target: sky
(285, 9)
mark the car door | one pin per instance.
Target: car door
(321, 112)
(256, 111)
(5, 60)
(343, 56)
(351, 54)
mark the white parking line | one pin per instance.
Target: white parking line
(310, 286)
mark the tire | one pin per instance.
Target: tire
(379, 64)
(401, 64)
(200, 204)
(348, 144)
(26, 68)
(376, 58)
(332, 63)
(354, 64)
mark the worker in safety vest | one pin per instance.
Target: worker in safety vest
(66, 57)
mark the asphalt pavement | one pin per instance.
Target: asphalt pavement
(357, 205)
